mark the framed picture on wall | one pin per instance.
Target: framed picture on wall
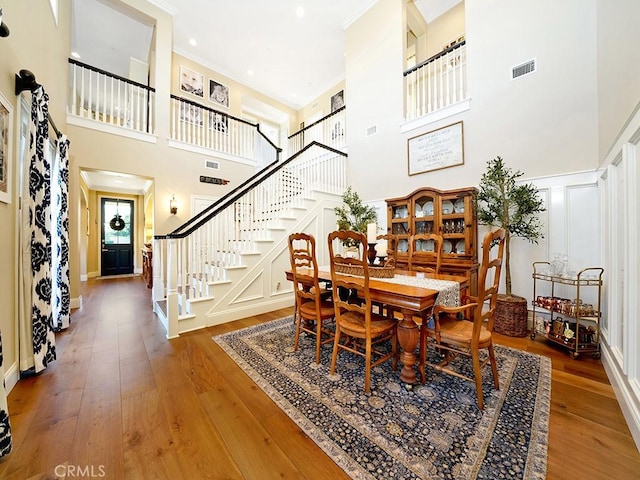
(6, 121)
(218, 93)
(440, 148)
(191, 82)
(337, 101)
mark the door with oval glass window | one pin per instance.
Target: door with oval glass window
(117, 236)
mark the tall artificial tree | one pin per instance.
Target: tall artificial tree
(503, 203)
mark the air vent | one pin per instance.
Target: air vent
(212, 165)
(523, 69)
(372, 130)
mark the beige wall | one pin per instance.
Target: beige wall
(238, 92)
(618, 59)
(446, 28)
(321, 104)
(35, 44)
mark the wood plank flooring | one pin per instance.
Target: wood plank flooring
(122, 402)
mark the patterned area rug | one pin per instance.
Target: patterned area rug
(433, 431)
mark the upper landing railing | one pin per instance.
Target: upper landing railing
(436, 83)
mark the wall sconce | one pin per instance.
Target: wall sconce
(173, 205)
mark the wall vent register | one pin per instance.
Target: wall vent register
(523, 69)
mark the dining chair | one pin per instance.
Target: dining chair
(425, 252)
(473, 333)
(358, 329)
(313, 306)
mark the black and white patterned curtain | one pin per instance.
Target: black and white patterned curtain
(60, 212)
(38, 288)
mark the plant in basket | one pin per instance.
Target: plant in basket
(503, 203)
(354, 215)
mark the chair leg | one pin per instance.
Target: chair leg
(334, 355)
(367, 370)
(297, 337)
(477, 372)
(494, 367)
(318, 339)
(423, 352)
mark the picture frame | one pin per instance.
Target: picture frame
(437, 149)
(191, 113)
(337, 101)
(218, 93)
(6, 134)
(219, 122)
(191, 82)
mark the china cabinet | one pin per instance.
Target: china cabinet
(572, 323)
(450, 213)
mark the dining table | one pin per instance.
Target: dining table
(413, 295)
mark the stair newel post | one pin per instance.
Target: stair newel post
(158, 268)
(172, 288)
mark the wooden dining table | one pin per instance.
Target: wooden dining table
(410, 301)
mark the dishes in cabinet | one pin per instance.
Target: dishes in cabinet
(418, 245)
(428, 208)
(427, 246)
(460, 246)
(447, 246)
(459, 206)
(419, 210)
(402, 245)
(447, 207)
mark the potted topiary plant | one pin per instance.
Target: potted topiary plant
(354, 215)
(502, 203)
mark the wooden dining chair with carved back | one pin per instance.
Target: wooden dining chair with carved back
(473, 333)
(313, 303)
(390, 259)
(425, 255)
(358, 329)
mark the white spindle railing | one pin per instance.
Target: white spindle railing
(109, 99)
(330, 130)
(437, 83)
(209, 246)
(205, 127)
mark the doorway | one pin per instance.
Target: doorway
(116, 236)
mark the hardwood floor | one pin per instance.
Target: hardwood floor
(122, 402)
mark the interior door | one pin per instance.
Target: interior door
(117, 236)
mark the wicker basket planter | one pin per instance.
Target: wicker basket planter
(511, 316)
(374, 272)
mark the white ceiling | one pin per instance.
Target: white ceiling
(116, 182)
(293, 60)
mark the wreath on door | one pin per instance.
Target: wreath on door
(116, 223)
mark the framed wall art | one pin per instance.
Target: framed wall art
(441, 148)
(191, 82)
(6, 122)
(337, 101)
(218, 93)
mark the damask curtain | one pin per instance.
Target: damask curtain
(5, 426)
(60, 253)
(37, 338)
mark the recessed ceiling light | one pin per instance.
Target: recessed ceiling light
(75, 54)
(300, 12)
(293, 95)
(249, 72)
(192, 42)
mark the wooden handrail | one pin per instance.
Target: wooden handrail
(316, 122)
(109, 74)
(434, 57)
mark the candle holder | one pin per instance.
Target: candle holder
(371, 253)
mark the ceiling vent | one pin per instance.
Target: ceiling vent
(212, 165)
(372, 130)
(523, 69)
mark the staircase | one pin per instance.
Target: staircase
(229, 261)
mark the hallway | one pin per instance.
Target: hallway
(122, 402)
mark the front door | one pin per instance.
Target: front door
(117, 236)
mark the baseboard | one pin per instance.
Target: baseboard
(76, 302)
(84, 278)
(11, 377)
(629, 402)
(93, 274)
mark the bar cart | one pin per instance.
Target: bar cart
(572, 324)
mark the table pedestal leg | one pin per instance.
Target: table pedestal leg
(408, 336)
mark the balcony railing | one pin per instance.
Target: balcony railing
(204, 127)
(109, 99)
(436, 83)
(330, 130)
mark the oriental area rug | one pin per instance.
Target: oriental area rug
(432, 431)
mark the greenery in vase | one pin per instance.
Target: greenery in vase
(353, 215)
(501, 203)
